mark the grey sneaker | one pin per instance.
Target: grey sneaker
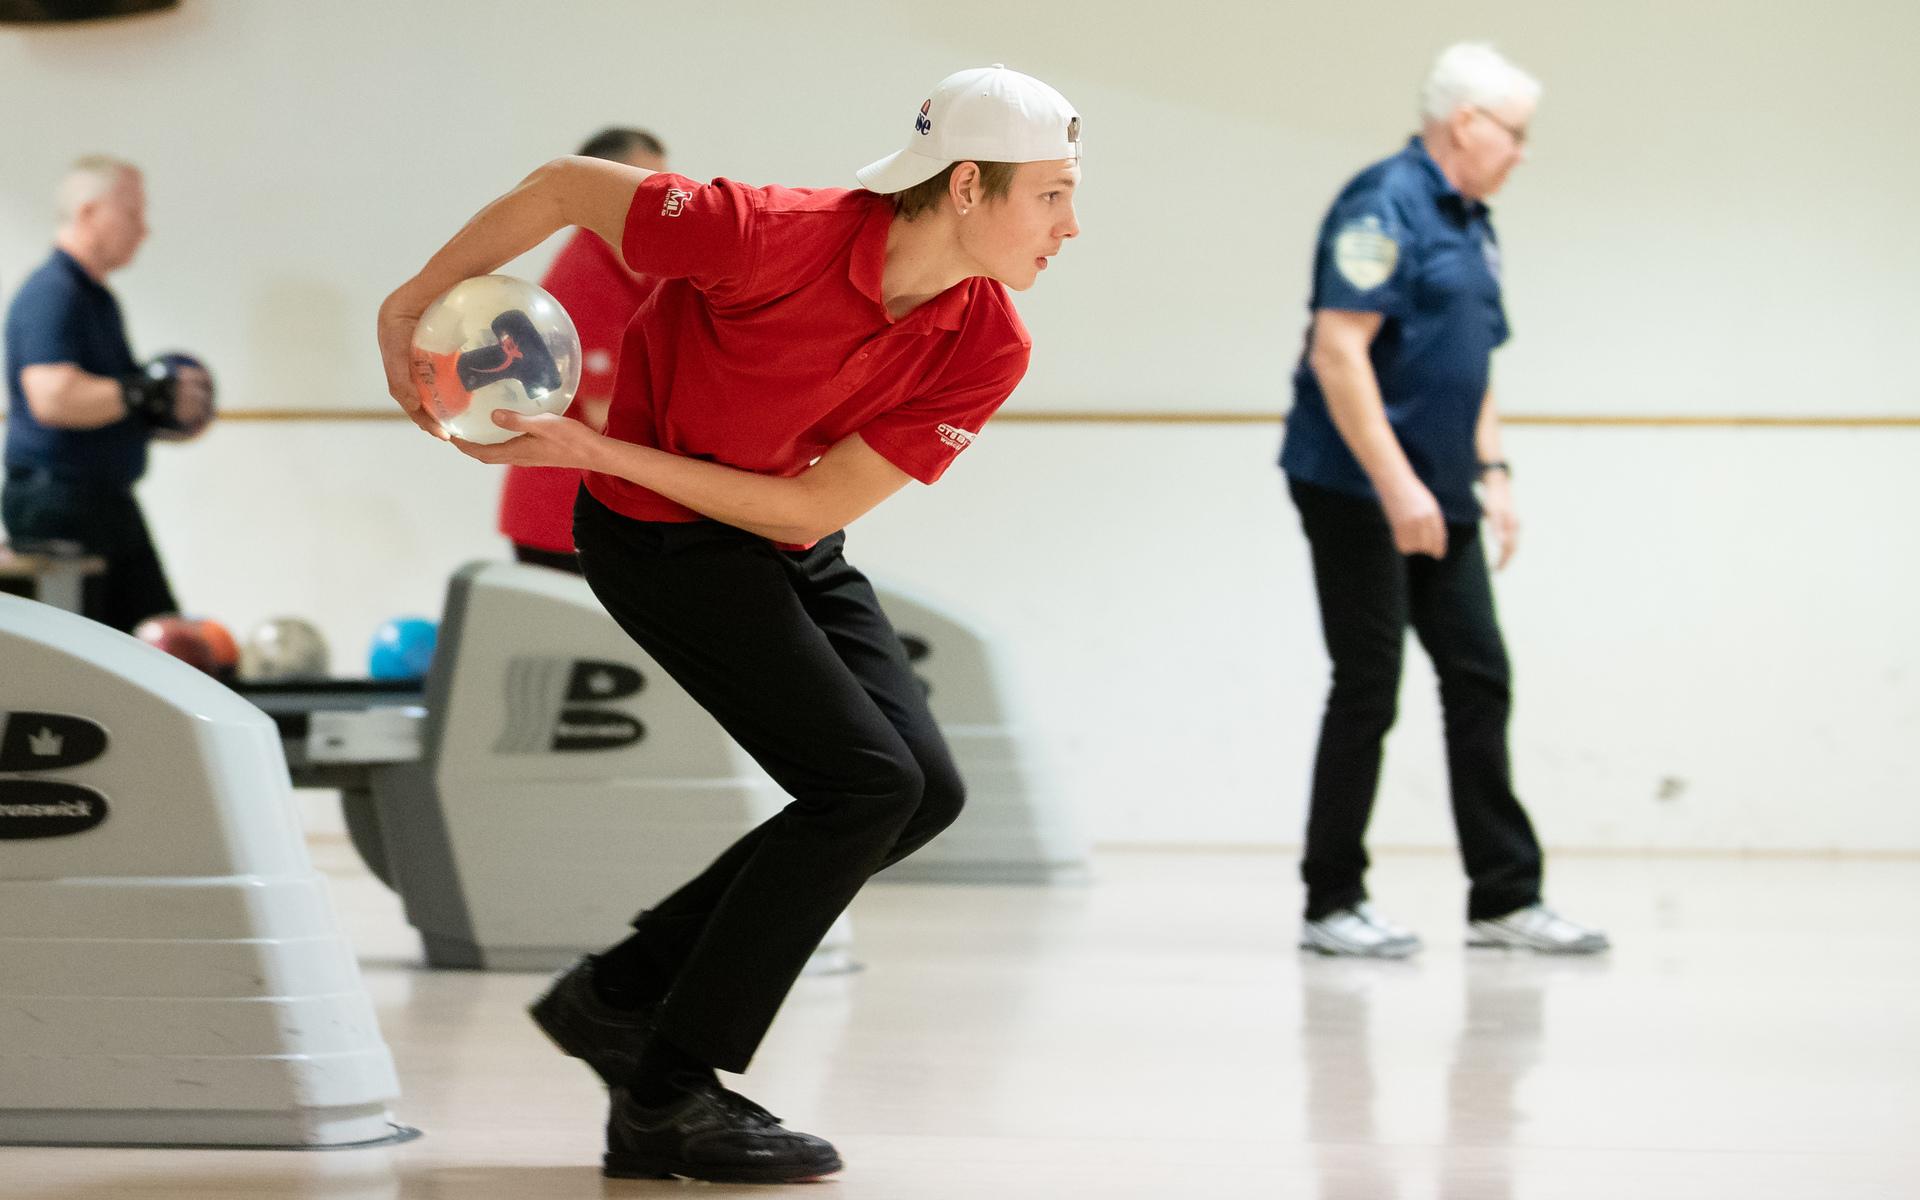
(1357, 932)
(1537, 928)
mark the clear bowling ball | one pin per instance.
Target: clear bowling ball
(490, 343)
(283, 648)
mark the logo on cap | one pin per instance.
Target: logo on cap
(1073, 130)
(924, 122)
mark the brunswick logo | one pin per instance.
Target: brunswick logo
(38, 741)
(953, 436)
(558, 705)
(41, 808)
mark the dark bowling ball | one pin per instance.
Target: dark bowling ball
(181, 638)
(170, 364)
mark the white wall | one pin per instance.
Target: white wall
(1714, 223)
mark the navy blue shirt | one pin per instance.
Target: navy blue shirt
(63, 315)
(1403, 242)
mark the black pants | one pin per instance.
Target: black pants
(534, 556)
(105, 520)
(1369, 594)
(791, 654)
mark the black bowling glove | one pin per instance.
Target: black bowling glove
(149, 394)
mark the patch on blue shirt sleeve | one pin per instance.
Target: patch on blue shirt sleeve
(1364, 253)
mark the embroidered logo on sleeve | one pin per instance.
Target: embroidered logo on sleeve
(959, 439)
(676, 204)
(1365, 254)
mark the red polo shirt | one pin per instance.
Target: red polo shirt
(767, 341)
(600, 294)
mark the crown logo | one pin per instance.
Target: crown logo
(45, 744)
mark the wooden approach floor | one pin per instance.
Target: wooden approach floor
(1155, 1034)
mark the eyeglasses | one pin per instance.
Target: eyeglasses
(1517, 132)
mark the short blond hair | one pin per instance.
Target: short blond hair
(89, 178)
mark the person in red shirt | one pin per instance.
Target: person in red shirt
(600, 293)
(806, 354)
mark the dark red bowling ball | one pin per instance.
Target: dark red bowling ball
(181, 638)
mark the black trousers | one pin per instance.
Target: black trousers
(791, 654)
(534, 556)
(106, 521)
(1369, 594)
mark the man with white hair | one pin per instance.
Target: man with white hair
(81, 410)
(1393, 432)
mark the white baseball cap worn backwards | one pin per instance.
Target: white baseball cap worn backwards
(987, 114)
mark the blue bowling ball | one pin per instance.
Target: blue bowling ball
(402, 648)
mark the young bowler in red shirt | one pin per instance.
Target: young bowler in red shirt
(806, 354)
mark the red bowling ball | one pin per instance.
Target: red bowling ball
(181, 638)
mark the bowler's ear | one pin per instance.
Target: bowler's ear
(963, 187)
(1458, 122)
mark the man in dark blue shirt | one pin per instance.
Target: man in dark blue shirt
(1392, 428)
(80, 410)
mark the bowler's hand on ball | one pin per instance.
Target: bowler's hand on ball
(192, 399)
(546, 440)
(396, 356)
